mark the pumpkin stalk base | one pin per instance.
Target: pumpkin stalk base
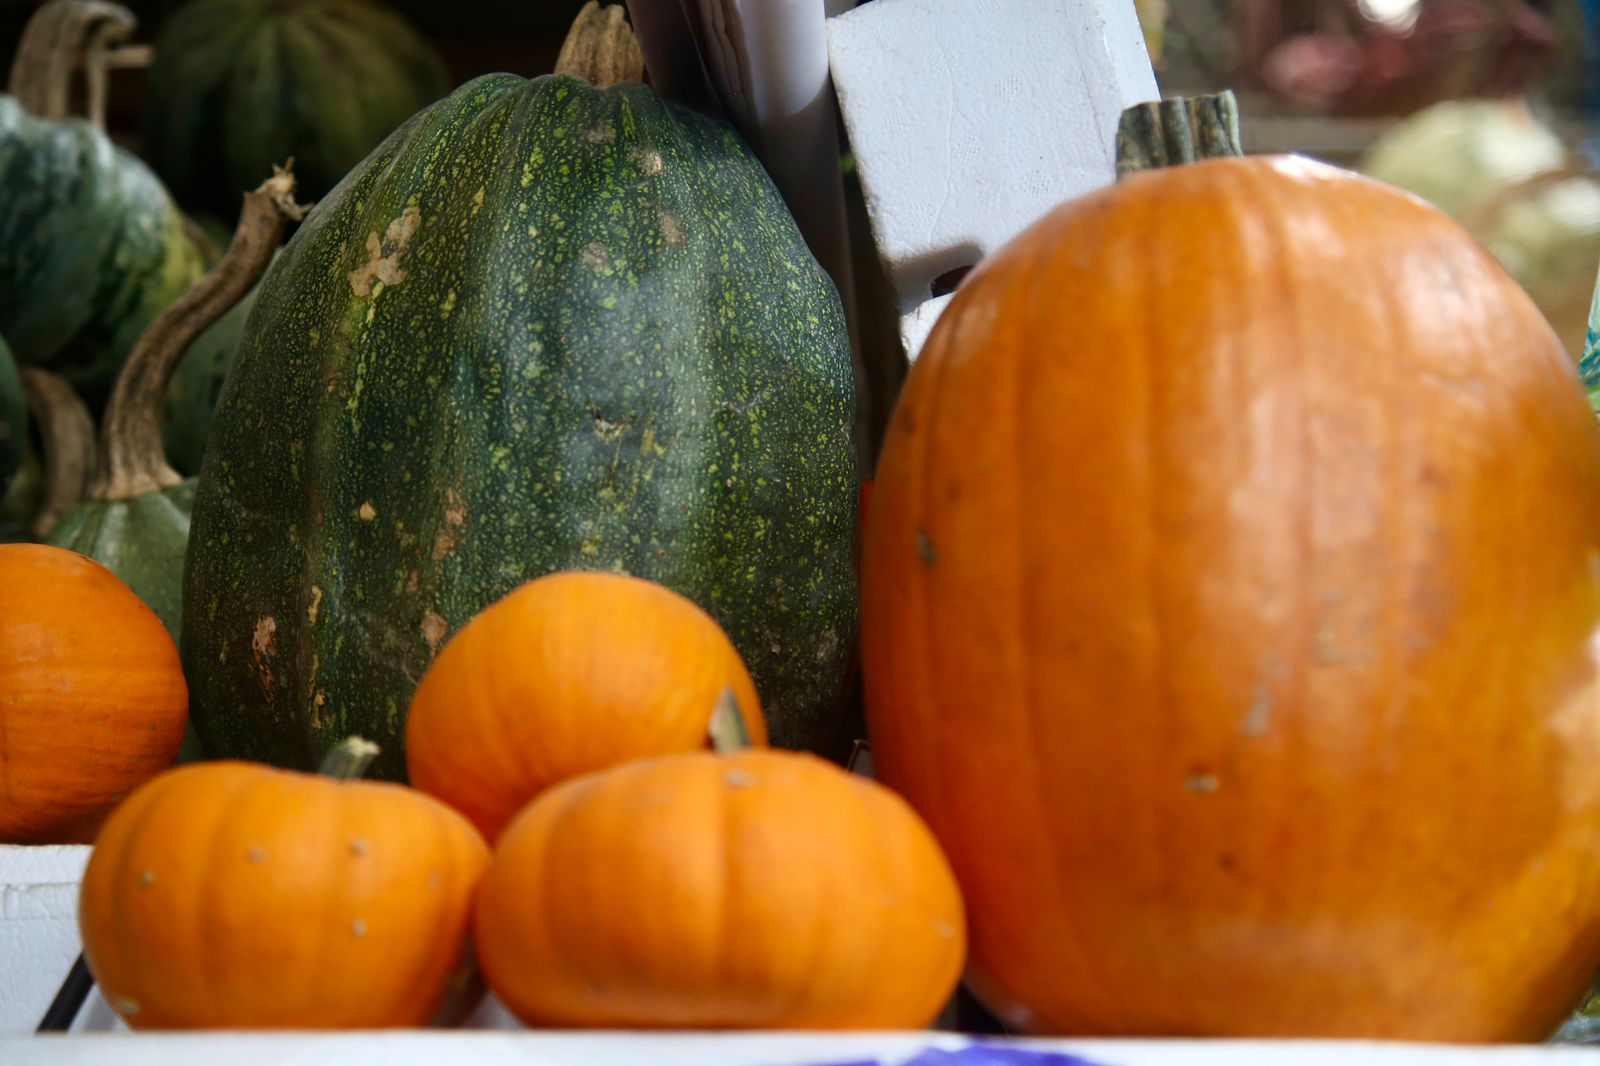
(1181, 130)
(600, 48)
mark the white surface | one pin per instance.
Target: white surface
(653, 1049)
(969, 119)
(38, 941)
(38, 929)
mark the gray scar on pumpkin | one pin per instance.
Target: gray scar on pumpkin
(386, 254)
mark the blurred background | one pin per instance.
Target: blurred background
(1488, 108)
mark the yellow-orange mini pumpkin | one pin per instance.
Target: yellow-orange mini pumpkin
(570, 673)
(1230, 603)
(757, 890)
(231, 895)
(92, 698)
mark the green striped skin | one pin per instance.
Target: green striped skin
(141, 540)
(542, 327)
(13, 419)
(195, 385)
(238, 85)
(91, 248)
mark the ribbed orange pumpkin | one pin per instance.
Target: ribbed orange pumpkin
(757, 890)
(1231, 590)
(569, 673)
(231, 895)
(92, 698)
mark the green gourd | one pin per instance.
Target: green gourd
(91, 246)
(238, 85)
(544, 326)
(136, 519)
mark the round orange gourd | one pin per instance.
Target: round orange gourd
(232, 895)
(1230, 599)
(92, 697)
(757, 890)
(569, 673)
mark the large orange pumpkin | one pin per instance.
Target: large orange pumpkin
(232, 895)
(1230, 599)
(572, 672)
(92, 698)
(757, 890)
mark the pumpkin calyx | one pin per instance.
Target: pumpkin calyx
(66, 431)
(728, 731)
(55, 37)
(349, 759)
(601, 48)
(132, 458)
(1185, 129)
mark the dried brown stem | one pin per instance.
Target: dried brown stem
(67, 431)
(600, 48)
(132, 459)
(1177, 131)
(58, 36)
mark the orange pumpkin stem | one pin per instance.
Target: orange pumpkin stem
(132, 458)
(728, 731)
(1185, 129)
(601, 48)
(349, 759)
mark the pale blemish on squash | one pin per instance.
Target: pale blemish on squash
(147, 878)
(648, 160)
(605, 133)
(1202, 784)
(316, 604)
(366, 512)
(256, 854)
(358, 846)
(126, 1005)
(386, 254)
(944, 929)
(671, 229)
(596, 257)
(433, 629)
(358, 928)
(738, 779)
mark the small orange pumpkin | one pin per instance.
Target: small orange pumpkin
(759, 890)
(92, 697)
(232, 895)
(570, 673)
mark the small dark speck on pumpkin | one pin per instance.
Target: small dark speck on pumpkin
(925, 548)
(1227, 862)
(256, 853)
(1202, 783)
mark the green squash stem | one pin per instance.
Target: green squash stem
(1177, 131)
(66, 430)
(48, 54)
(132, 458)
(600, 48)
(728, 731)
(348, 759)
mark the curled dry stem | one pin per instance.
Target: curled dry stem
(132, 459)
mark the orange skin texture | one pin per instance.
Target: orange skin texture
(569, 673)
(232, 895)
(1229, 602)
(92, 697)
(763, 889)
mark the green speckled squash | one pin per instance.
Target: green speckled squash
(13, 420)
(239, 85)
(544, 326)
(91, 248)
(136, 520)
